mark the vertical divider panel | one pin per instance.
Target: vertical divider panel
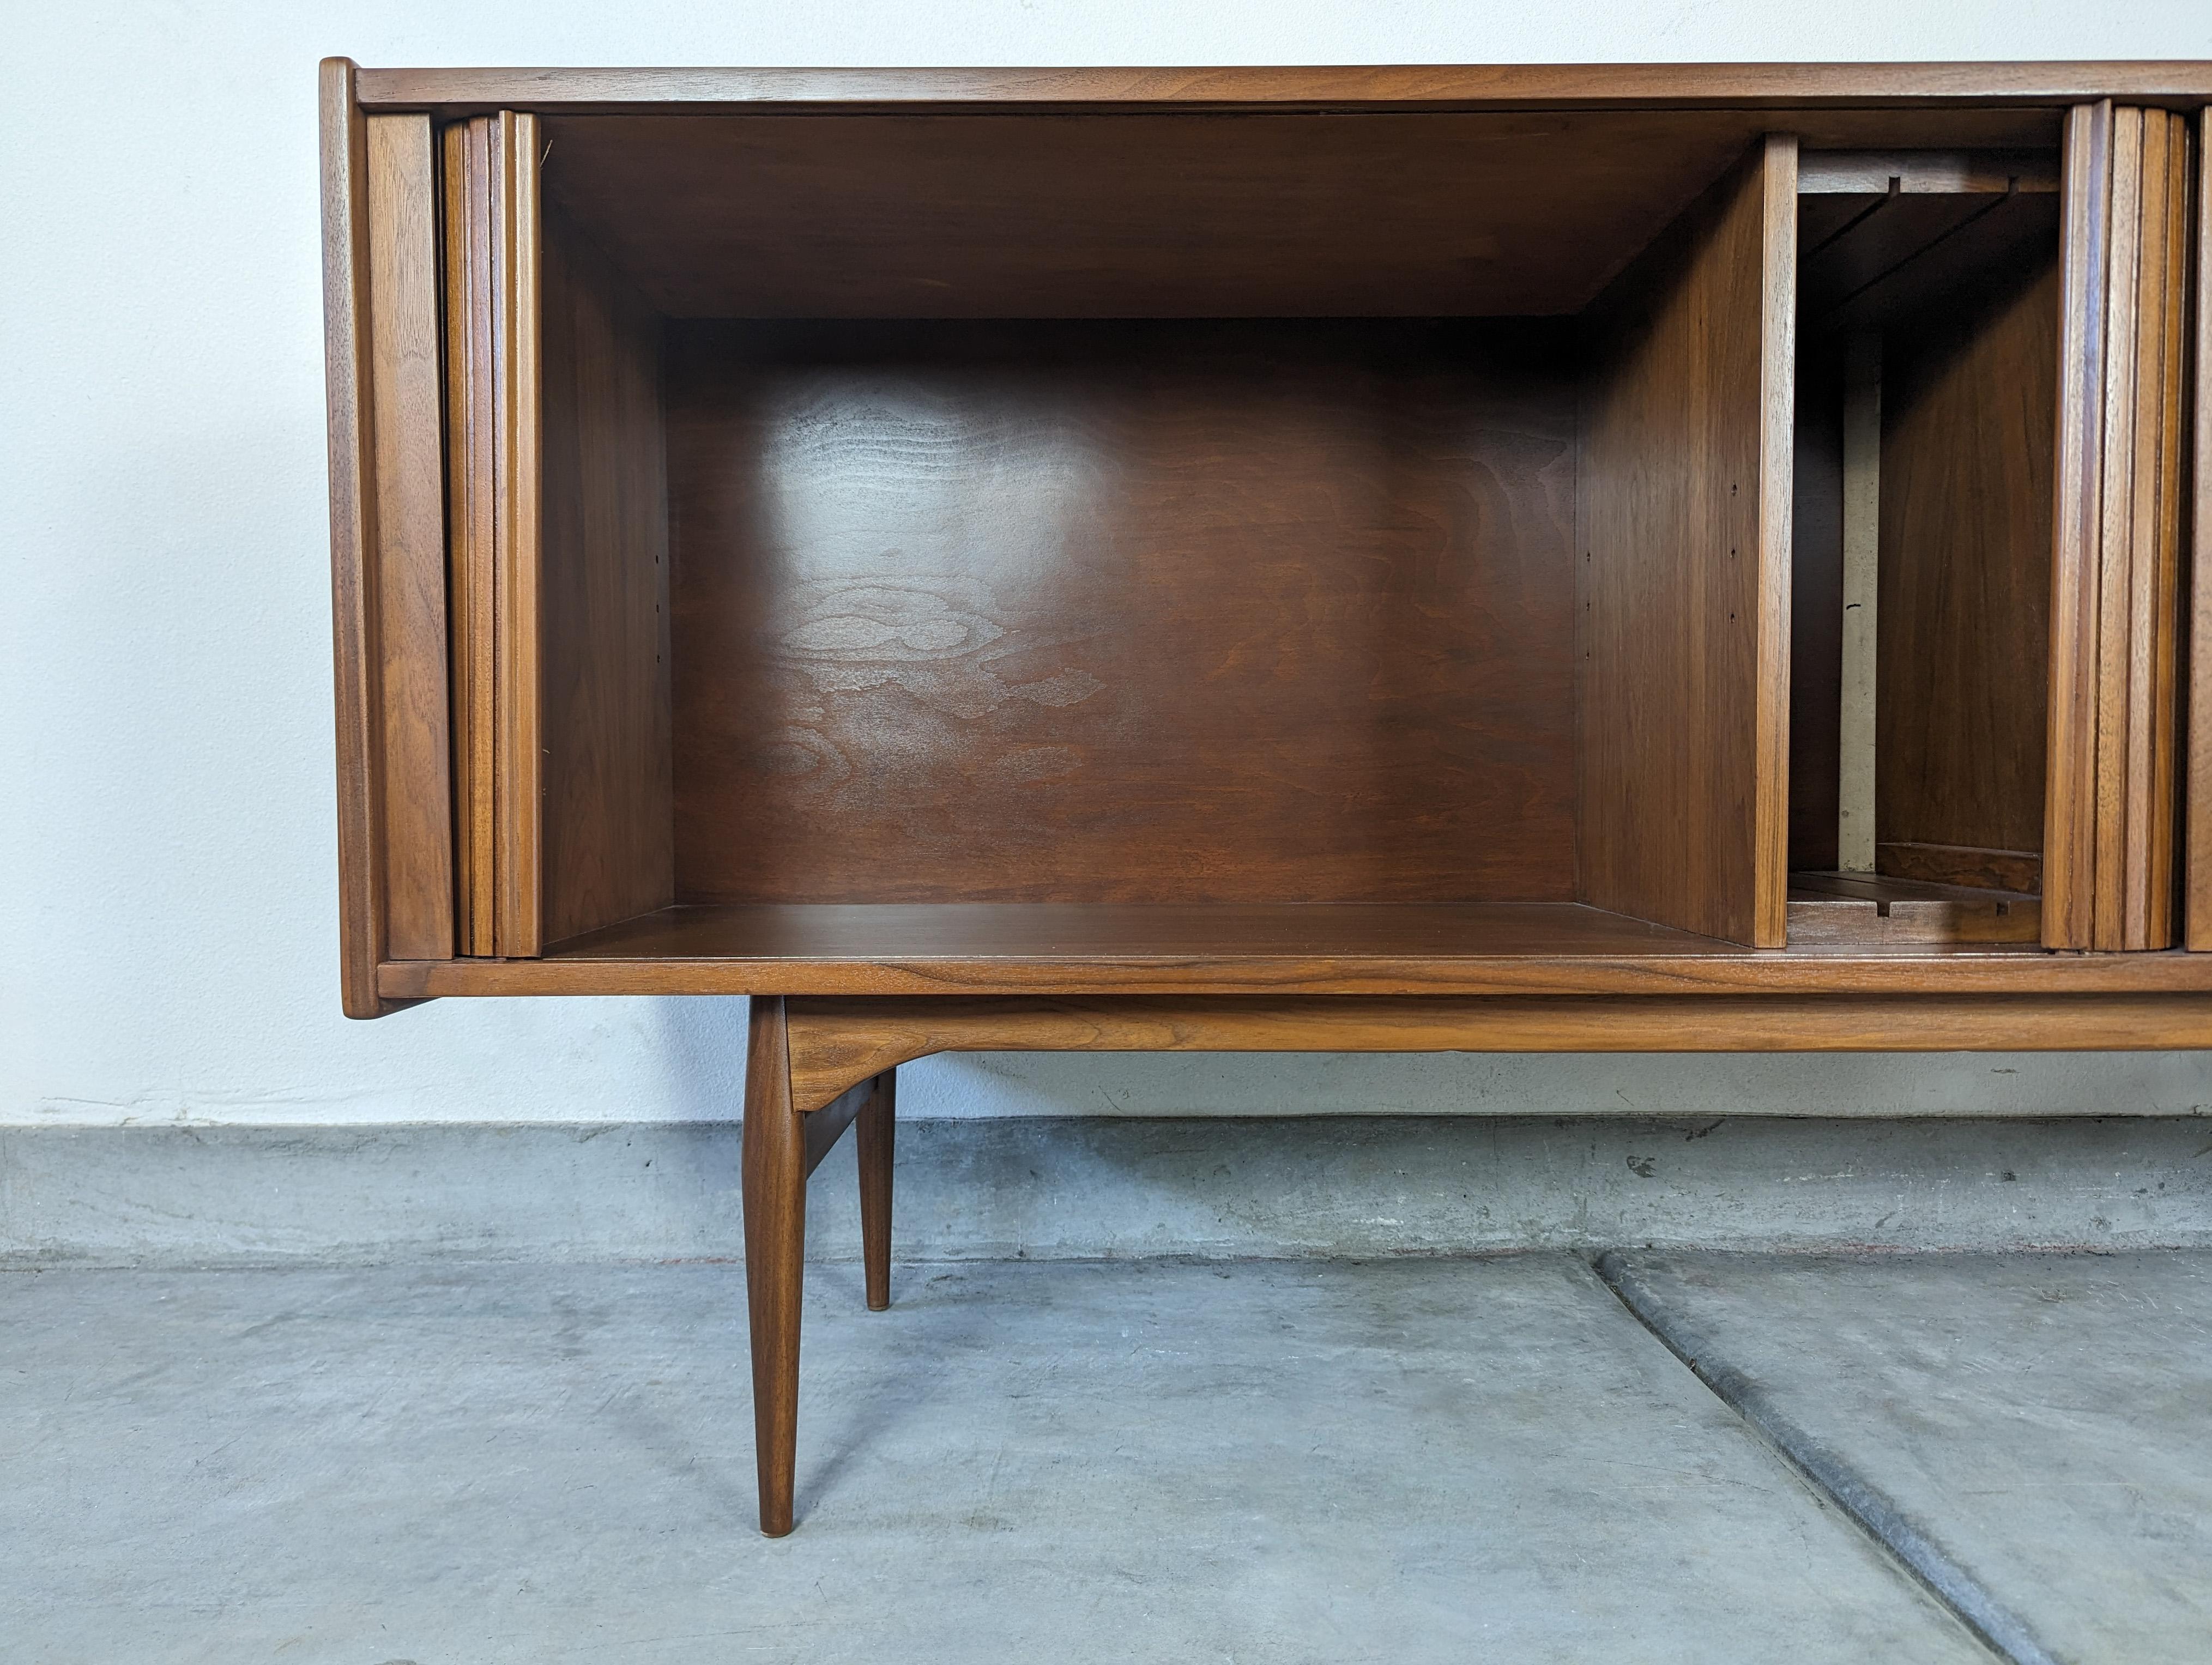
(2111, 806)
(1683, 500)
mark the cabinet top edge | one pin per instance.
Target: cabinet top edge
(2172, 82)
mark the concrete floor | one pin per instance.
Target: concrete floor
(1469, 1459)
(2036, 1429)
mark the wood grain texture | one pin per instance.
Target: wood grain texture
(2069, 854)
(606, 816)
(2111, 809)
(348, 370)
(1139, 612)
(835, 1042)
(2116, 529)
(1433, 949)
(1903, 92)
(826, 1124)
(1974, 865)
(773, 1161)
(517, 615)
(410, 537)
(1110, 216)
(1964, 636)
(2157, 670)
(2198, 878)
(496, 394)
(1683, 500)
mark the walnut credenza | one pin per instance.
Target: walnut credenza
(1560, 559)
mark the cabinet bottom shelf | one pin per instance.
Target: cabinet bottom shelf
(1048, 951)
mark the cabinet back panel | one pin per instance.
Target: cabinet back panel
(1125, 611)
(1968, 402)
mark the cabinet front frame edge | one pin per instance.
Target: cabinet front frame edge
(2178, 84)
(355, 646)
(1822, 972)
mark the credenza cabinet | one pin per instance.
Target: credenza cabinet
(1533, 559)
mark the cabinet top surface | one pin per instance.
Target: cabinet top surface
(2179, 83)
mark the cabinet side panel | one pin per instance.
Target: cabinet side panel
(608, 818)
(1683, 503)
(1964, 627)
(347, 373)
(410, 539)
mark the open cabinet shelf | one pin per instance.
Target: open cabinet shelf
(1268, 539)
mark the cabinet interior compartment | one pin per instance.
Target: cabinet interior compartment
(1926, 417)
(1114, 534)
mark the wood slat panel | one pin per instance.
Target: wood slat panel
(410, 537)
(518, 561)
(2069, 866)
(607, 820)
(2110, 808)
(2197, 879)
(1683, 508)
(2179, 492)
(2116, 533)
(472, 481)
(495, 492)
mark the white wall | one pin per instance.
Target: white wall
(167, 907)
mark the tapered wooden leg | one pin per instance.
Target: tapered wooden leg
(876, 1130)
(774, 1163)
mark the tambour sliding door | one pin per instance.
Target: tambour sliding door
(2110, 832)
